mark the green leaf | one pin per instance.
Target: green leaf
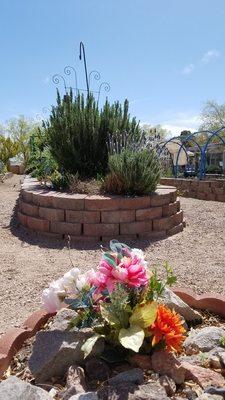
(144, 315)
(110, 259)
(89, 344)
(132, 338)
(108, 315)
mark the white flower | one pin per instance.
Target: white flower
(51, 300)
(58, 286)
(81, 282)
(140, 255)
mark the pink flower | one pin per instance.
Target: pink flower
(130, 270)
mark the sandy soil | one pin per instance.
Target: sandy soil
(28, 264)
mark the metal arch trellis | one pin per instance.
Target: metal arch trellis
(69, 70)
(202, 148)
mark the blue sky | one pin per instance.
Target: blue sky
(166, 57)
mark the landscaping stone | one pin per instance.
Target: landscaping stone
(175, 303)
(129, 391)
(215, 391)
(206, 396)
(85, 396)
(221, 356)
(97, 369)
(168, 384)
(204, 339)
(203, 376)
(55, 351)
(135, 376)
(62, 319)
(75, 382)
(14, 388)
(142, 361)
(166, 363)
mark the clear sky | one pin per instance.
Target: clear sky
(166, 56)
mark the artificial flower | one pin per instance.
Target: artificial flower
(168, 328)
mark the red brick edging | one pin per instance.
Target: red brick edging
(99, 218)
(14, 338)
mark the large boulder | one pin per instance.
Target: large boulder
(55, 351)
(175, 303)
(14, 388)
(204, 339)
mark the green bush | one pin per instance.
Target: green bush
(213, 169)
(77, 133)
(133, 173)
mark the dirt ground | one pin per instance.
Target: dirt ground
(28, 264)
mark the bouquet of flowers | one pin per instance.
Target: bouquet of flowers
(122, 301)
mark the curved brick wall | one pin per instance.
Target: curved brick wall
(95, 218)
(203, 190)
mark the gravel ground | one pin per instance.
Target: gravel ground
(28, 264)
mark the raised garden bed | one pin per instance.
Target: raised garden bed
(99, 218)
(209, 189)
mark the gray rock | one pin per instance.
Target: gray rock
(97, 369)
(75, 382)
(168, 384)
(221, 355)
(204, 339)
(206, 396)
(135, 376)
(129, 391)
(175, 303)
(85, 396)
(14, 388)
(62, 319)
(55, 351)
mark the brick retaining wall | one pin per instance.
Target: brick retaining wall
(99, 218)
(203, 190)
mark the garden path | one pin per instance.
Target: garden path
(28, 264)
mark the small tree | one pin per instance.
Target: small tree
(20, 130)
(8, 149)
(77, 133)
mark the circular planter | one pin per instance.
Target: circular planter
(210, 189)
(14, 338)
(99, 218)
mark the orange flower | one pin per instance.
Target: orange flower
(168, 328)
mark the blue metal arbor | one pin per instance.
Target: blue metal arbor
(180, 141)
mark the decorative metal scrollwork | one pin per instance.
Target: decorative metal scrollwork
(68, 70)
(57, 78)
(106, 87)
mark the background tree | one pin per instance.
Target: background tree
(8, 149)
(213, 116)
(20, 131)
(155, 130)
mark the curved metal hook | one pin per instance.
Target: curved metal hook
(57, 78)
(106, 88)
(68, 71)
(82, 50)
(46, 110)
(96, 74)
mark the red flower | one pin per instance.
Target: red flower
(168, 328)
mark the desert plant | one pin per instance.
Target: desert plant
(77, 133)
(133, 173)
